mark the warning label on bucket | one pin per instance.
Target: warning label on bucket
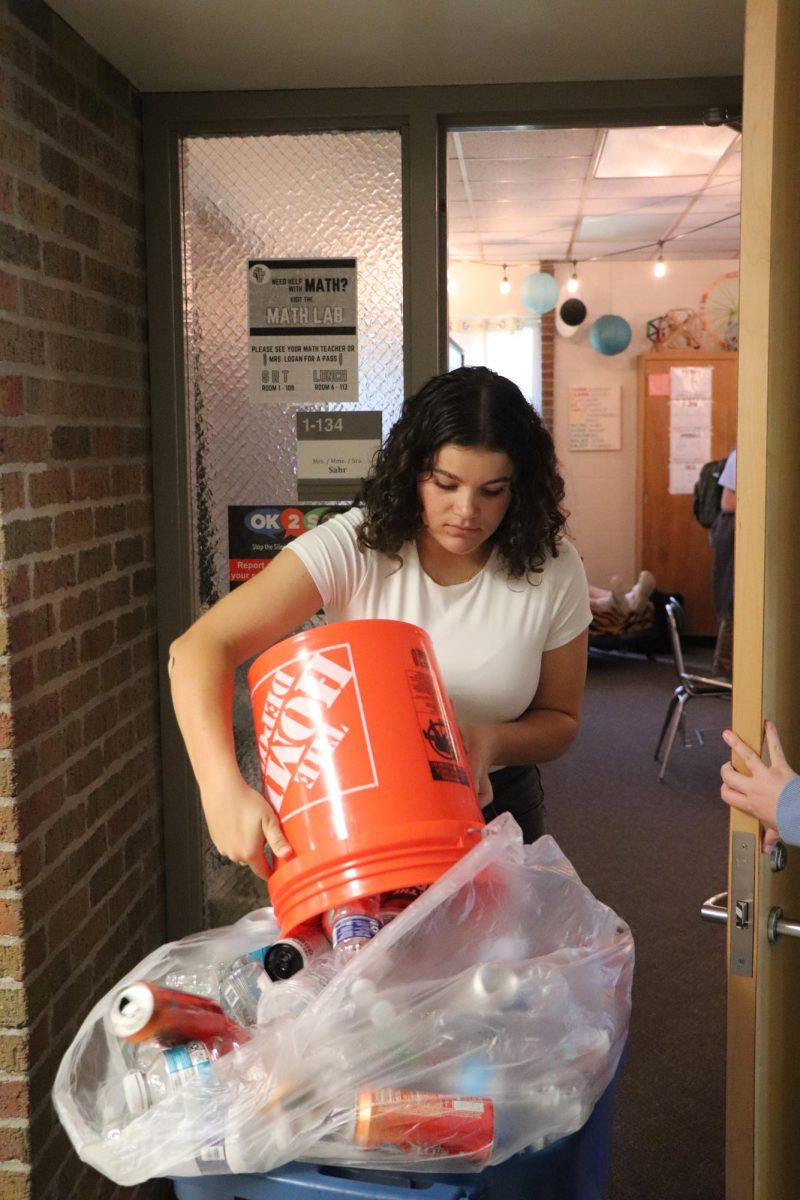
(449, 772)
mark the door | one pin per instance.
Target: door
(671, 543)
(763, 1076)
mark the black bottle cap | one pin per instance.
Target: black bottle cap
(283, 960)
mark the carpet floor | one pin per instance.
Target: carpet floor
(654, 852)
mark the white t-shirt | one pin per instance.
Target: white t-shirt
(488, 633)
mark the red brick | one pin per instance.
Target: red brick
(10, 395)
(23, 443)
(13, 1099)
(12, 492)
(8, 292)
(74, 527)
(91, 483)
(10, 918)
(53, 574)
(49, 487)
(20, 345)
(38, 208)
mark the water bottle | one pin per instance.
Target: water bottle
(167, 1072)
(290, 997)
(288, 956)
(241, 985)
(351, 926)
(200, 981)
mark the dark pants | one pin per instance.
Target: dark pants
(518, 790)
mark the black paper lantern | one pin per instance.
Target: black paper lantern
(573, 312)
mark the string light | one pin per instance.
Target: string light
(505, 286)
(660, 267)
(572, 282)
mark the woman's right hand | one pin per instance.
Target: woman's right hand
(240, 822)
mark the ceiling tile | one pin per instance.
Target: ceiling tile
(520, 170)
(662, 151)
(526, 143)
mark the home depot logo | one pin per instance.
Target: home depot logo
(311, 706)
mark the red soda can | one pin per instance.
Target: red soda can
(145, 1010)
(425, 1124)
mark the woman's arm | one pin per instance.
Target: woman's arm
(546, 729)
(202, 665)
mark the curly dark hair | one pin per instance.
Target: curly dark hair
(471, 406)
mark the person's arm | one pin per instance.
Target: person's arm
(545, 730)
(767, 792)
(727, 502)
(202, 665)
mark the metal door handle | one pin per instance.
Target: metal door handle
(776, 925)
(715, 909)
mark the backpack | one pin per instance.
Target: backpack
(707, 496)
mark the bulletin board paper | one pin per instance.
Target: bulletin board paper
(691, 383)
(658, 384)
(595, 417)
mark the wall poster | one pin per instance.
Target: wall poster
(595, 417)
(258, 532)
(302, 317)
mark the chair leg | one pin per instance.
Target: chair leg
(670, 710)
(677, 716)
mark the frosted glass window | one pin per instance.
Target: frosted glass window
(281, 196)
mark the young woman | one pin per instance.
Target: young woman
(461, 533)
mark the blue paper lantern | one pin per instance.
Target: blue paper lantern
(610, 335)
(539, 292)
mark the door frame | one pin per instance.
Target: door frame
(424, 115)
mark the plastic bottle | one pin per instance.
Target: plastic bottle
(241, 985)
(288, 956)
(290, 997)
(351, 926)
(167, 1072)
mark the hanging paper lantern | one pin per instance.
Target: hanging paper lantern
(539, 292)
(564, 330)
(610, 335)
(573, 312)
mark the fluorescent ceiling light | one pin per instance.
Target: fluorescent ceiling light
(663, 151)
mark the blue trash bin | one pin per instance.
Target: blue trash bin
(574, 1168)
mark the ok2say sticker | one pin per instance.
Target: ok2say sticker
(257, 533)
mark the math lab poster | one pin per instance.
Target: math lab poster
(303, 318)
(258, 532)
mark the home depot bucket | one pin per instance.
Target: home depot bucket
(363, 762)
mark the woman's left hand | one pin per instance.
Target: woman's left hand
(480, 745)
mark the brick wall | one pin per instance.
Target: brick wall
(81, 889)
(548, 356)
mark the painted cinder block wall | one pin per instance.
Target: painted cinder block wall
(81, 855)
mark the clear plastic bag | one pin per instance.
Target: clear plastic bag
(489, 1016)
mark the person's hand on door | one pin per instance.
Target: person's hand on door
(756, 793)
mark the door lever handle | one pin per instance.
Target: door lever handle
(777, 925)
(715, 909)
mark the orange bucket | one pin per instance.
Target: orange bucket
(362, 760)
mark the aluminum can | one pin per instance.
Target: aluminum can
(145, 1010)
(425, 1124)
